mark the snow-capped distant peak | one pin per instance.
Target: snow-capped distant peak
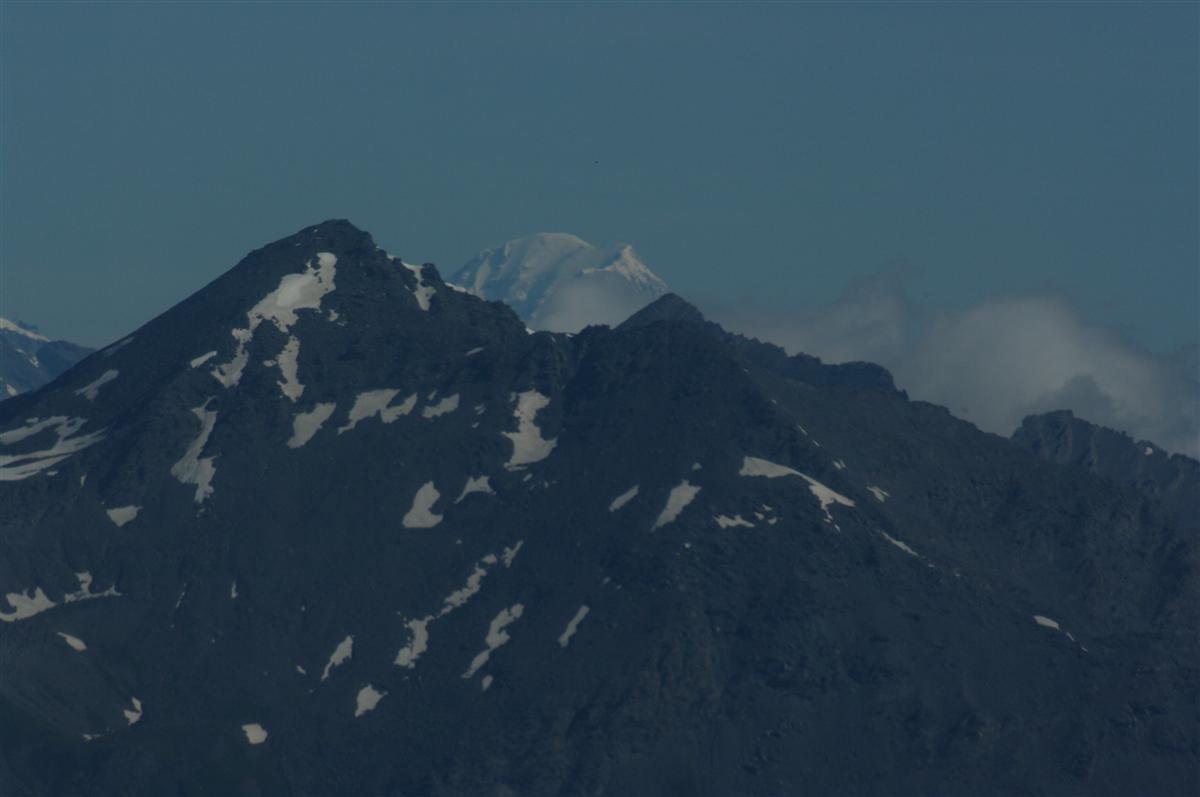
(627, 264)
(12, 326)
(29, 359)
(560, 282)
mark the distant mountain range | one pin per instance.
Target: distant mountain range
(332, 525)
(560, 283)
(29, 359)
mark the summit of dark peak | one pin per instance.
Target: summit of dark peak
(669, 308)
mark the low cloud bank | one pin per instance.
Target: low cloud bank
(595, 298)
(996, 362)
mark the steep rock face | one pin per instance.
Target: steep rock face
(561, 283)
(29, 360)
(802, 368)
(1172, 479)
(333, 526)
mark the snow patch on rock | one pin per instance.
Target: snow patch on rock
(564, 638)
(307, 424)
(899, 544)
(509, 554)
(15, 467)
(367, 699)
(478, 484)
(123, 514)
(193, 468)
(84, 593)
(418, 642)
(26, 605)
(460, 596)
(528, 444)
(623, 499)
(496, 637)
(340, 655)
(422, 292)
(196, 362)
(255, 733)
(421, 515)
(92, 389)
(288, 361)
(753, 466)
(680, 496)
(302, 291)
(419, 628)
(75, 642)
(377, 402)
(132, 715)
(446, 405)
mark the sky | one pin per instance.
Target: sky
(770, 154)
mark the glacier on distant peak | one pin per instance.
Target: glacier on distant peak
(29, 359)
(18, 328)
(561, 283)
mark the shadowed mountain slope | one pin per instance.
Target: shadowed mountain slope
(331, 526)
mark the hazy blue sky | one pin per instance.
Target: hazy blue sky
(770, 151)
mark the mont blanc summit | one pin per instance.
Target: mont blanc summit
(561, 283)
(332, 525)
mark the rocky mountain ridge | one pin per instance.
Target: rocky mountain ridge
(332, 526)
(29, 359)
(1171, 479)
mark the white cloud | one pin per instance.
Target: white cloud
(995, 362)
(573, 303)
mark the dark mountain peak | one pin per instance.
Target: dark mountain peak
(338, 236)
(324, 264)
(325, 301)
(332, 525)
(1050, 430)
(810, 370)
(332, 230)
(332, 225)
(803, 367)
(669, 308)
(1172, 479)
(1051, 418)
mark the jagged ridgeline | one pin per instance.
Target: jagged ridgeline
(332, 526)
(1173, 480)
(29, 359)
